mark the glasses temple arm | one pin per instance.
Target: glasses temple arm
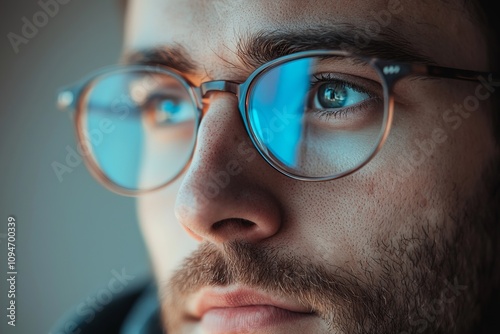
(492, 78)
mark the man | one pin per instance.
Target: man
(296, 210)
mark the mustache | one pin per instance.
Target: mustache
(334, 295)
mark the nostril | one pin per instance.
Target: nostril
(232, 223)
(232, 229)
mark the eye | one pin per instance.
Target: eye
(165, 110)
(338, 95)
(344, 100)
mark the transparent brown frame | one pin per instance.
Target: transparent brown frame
(390, 72)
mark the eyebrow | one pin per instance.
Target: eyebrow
(175, 57)
(256, 49)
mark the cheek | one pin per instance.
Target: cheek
(334, 222)
(343, 223)
(438, 145)
(423, 174)
(168, 244)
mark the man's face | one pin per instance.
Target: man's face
(379, 251)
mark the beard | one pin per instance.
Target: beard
(438, 278)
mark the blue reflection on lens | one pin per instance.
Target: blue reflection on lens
(114, 123)
(277, 106)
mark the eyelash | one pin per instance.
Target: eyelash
(328, 78)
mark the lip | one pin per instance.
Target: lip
(237, 309)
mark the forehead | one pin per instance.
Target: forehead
(213, 28)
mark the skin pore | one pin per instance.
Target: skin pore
(405, 245)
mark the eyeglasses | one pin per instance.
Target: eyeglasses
(313, 116)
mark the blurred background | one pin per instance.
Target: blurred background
(72, 235)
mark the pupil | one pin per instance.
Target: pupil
(332, 96)
(170, 107)
(167, 110)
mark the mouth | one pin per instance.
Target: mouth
(243, 310)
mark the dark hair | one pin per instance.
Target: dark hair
(486, 15)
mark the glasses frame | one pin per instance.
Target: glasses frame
(390, 71)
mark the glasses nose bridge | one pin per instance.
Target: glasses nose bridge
(220, 86)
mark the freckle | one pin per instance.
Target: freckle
(422, 202)
(371, 188)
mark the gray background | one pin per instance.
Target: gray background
(72, 234)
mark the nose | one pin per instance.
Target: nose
(225, 194)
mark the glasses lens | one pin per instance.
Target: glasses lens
(138, 127)
(317, 117)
